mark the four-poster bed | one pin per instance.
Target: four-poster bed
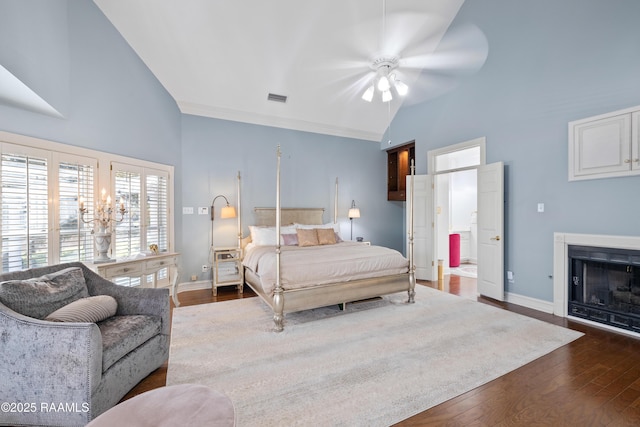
(303, 276)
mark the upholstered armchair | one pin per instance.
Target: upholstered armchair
(67, 370)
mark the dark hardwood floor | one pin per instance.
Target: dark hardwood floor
(593, 381)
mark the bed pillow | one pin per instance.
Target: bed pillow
(266, 236)
(39, 296)
(326, 236)
(290, 239)
(86, 310)
(307, 237)
(336, 227)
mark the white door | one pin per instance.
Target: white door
(491, 231)
(423, 241)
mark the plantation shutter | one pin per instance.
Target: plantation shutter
(76, 181)
(156, 191)
(25, 215)
(128, 236)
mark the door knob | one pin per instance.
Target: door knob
(495, 238)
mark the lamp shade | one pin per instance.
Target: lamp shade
(228, 212)
(354, 213)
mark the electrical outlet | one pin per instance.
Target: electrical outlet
(205, 268)
(203, 210)
(194, 277)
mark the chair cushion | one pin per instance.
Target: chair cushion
(39, 296)
(122, 334)
(86, 310)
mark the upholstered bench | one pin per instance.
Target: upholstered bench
(177, 405)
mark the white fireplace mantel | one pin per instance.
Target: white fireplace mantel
(561, 243)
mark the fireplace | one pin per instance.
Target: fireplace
(597, 279)
(604, 285)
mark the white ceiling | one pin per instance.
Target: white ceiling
(222, 58)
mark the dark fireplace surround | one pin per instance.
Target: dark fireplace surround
(604, 285)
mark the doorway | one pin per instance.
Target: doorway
(456, 196)
(431, 223)
(456, 221)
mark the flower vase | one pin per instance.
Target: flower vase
(103, 242)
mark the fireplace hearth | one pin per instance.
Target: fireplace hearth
(604, 285)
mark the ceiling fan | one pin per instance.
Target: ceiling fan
(413, 59)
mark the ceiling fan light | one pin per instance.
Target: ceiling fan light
(402, 88)
(368, 94)
(386, 96)
(383, 84)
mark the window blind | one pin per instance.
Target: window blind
(25, 211)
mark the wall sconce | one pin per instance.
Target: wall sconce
(353, 213)
(226, 212)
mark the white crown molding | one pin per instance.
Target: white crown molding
(274, 121)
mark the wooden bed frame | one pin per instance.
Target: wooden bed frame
(292, 300)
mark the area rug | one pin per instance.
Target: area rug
(375, 364)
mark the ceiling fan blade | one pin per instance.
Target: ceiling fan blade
(462, 50)
(406, 34)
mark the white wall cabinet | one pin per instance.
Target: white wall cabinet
(605, 146)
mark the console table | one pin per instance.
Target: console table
(142, 267)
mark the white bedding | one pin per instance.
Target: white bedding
(316, 265)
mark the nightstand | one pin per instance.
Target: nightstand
(227, 269)
(363, 242)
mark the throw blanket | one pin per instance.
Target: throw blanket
(318, 265)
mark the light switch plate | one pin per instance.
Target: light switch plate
(203, 211)
(187, 211)
(540, 207)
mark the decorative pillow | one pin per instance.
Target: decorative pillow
(39, 296)
(307, 237)
(86, 310)
(290, 239)
(338, 238)
(326, 236)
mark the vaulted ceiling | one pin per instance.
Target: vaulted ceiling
(221, 59)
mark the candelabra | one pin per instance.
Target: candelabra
(103, 216)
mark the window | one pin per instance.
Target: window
(75, 181)
(25, 212)
(145, 192)
(41, 185)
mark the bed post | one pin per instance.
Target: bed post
(239, 216)
(412, 267)
(278, 295)
(335, 204)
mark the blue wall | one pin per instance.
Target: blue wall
(213, 151)
(550, 62)
(111, 103)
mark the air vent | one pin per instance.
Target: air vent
(276, 98)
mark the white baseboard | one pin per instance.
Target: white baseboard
(193, 286)
(533, 303)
